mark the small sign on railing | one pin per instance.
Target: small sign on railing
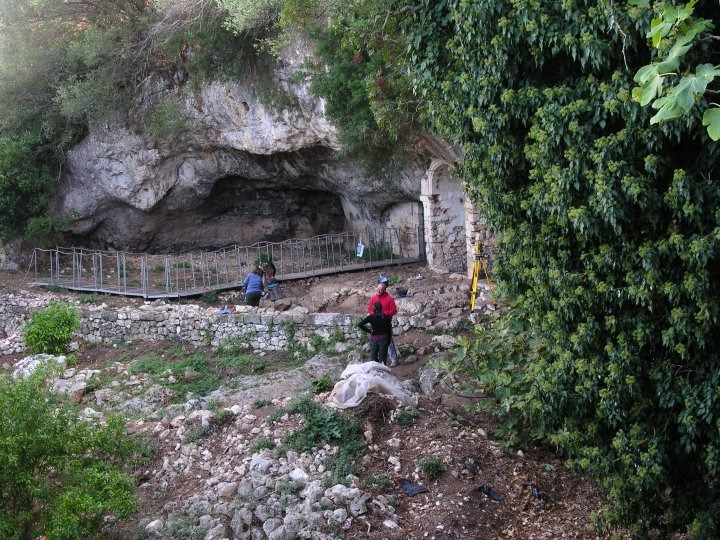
(360, 250)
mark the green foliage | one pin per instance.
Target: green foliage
(55, 288)
(210, 297)
(382, 481)
(200, 43)
(495, 361)
(198, 373)
(321, 426)
(67, 64)
(59, 475)
(323, 384)
(608, 251)
(186, 529)
(263, 258)
(168, 121)
(44, 231)
(223, 417)
(88, 298)
(343, 82)
(250, 15)
(196, 434)
(292, 487)
(261, 443)
(26, 182)
(51, 329)
(673, 90)
(431, 467)
(407, 418)
(260, 403)
(378, 252)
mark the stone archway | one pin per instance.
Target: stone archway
(444, 219)
(452, 224)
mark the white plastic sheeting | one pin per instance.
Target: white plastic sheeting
(359, 379)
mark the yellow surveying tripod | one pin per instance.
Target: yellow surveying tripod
(479, 262)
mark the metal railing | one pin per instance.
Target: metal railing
(156, 276)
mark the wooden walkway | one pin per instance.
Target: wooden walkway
(194, 274)
(90, 287)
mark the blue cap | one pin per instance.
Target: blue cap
(383, 279)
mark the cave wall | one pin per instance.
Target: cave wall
(247, 172)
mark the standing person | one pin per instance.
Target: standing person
(380, 330)
(269, 281)
(388, 307)
(253, 285)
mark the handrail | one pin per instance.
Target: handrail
(196, 272)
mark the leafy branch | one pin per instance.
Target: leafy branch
(676, 29)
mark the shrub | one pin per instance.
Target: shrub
(168, 121)
(223, 417)
(26, 181)
(58, 474)
(431, 467)
(196, 434)
(260, 403)
(262, 443)
(210, 296)
(323, 384)
(382, 481)
(51, 329)
(406, 418)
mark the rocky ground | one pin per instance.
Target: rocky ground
(223, 467)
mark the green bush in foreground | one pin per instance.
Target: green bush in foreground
(58, 474)
(51, 329)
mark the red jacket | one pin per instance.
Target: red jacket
(388, 304)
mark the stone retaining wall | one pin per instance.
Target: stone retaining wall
(262, 328)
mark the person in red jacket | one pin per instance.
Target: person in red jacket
(389, 309)
(381, 295)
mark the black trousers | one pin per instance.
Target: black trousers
(253, 298)
(379, 349)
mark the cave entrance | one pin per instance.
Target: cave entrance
(242, 211)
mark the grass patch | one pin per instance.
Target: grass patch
(261, 443)
(196, 433)
(381, 481)
(55, 288)
(260, 403)
(203, 371)
(223, 417)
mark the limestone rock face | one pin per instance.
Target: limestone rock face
(244, 171)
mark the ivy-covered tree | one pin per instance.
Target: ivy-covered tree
(608, 236)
